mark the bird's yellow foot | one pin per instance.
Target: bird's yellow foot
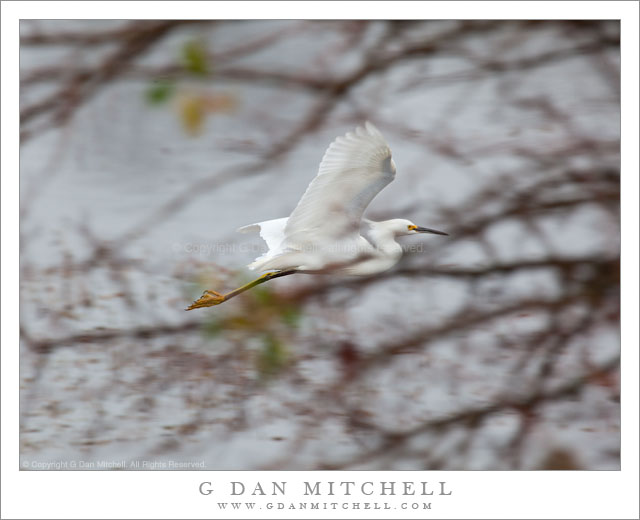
(208, 299)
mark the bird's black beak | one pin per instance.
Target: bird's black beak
(420, 229)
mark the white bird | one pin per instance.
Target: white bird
(326, 231)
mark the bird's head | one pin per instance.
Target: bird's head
(402, 227)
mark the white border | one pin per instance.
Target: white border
(174, 495)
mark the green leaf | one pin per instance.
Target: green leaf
(160, 91)
(272, 358)
(194, 57)
(291, 316)
(263, 295)
(212, 328)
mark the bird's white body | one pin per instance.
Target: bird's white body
(372, 252)
(326, 231)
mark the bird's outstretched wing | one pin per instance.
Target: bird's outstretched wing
(354, 169)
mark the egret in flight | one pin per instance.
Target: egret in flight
(326, 233)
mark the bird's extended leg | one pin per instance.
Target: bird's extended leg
(211, 298)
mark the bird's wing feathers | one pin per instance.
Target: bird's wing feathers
(354, 169)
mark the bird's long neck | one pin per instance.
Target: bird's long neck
(384, 239)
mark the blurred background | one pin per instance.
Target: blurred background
(145, 144)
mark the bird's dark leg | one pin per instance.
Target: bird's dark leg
(211, 298)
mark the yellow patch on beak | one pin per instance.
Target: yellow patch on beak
(412, 227)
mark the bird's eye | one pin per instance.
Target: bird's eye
(412, 227)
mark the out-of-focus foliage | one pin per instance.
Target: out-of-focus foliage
(192, 114)
(160, 92)
(194, 57)
(272, 357)
(193, 105)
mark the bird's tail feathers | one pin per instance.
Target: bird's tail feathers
(272, 232)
